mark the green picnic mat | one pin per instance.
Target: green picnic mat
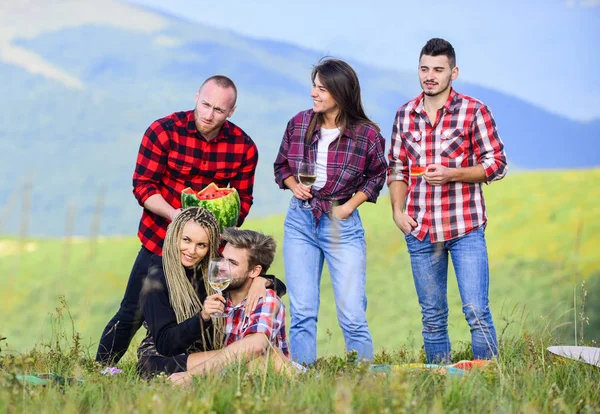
(46, 379)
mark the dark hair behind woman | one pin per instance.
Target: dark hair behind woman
(342, 83)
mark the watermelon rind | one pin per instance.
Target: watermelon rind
(189, 198)
(226, 209)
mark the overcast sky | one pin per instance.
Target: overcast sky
(544, 51)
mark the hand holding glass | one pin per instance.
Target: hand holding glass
(219, 277)
(307, 175)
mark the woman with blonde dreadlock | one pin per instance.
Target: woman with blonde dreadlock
(176, 313)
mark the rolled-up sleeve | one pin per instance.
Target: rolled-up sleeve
(397, 165)
(487, 145)
(243, 182)
(281, 166)
(376, 169)
(151, 162)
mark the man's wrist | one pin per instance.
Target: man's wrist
(397, 210)
(454, 175)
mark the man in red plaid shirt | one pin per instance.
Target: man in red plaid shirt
(248, 335)
(184, 149)
(444, 146)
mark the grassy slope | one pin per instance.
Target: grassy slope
(542, 234)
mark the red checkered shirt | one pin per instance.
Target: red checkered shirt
(357, 164)
(464, 135)
(173, 155)
(262, 320)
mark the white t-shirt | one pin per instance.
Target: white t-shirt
(327, 137)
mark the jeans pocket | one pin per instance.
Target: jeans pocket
(347, 221)
(410, 241)
(294, 203)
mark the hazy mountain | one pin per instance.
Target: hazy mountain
(83, 80)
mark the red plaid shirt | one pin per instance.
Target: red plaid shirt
(464, 135)
(262, 320)
(358, 164)
(173, 155)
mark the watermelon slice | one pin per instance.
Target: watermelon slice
(223, 202)
(416, 171)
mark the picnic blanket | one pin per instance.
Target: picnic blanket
(588, 354)
(46, 379)
(458, 369)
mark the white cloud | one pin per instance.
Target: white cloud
(35, 64)
(167, 41)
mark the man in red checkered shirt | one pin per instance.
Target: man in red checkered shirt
(248, 334)
(185, 149)
(444, 146)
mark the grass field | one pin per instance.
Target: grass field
(542, 238)
(524, 379)
(56, 296)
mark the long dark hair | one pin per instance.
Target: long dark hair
(341, 81)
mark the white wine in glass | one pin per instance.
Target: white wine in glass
(307, 175)
(219, 277)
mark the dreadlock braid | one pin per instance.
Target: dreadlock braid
(182, 294)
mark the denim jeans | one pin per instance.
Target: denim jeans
(342, 244)
(429, 263)
(119, 332)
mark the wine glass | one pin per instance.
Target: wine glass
(219, 277)
(307, 175)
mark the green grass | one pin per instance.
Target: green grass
(542, 236)
(523, 379)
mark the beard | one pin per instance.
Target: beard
(237, 282)
(443, 88)
(204, 130)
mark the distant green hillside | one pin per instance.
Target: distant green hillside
(76, 148)
(542, 236)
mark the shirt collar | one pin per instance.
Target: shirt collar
(230, 304)
(347, 131)
(452, 102)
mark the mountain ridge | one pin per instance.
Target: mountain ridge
(76, 142)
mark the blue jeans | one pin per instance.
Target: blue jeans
(305, 246)
(430, 273)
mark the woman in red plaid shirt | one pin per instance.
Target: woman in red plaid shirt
(323, 222)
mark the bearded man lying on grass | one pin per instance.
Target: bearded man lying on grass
(257, 337)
